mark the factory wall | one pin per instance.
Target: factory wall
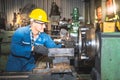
(65, 6)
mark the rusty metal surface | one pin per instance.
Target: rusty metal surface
(56, 68)
(62, 67)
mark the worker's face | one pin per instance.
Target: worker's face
(39, 26)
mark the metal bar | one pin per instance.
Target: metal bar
(15, 76)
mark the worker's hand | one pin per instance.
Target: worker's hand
(68, 44)
(40, 50)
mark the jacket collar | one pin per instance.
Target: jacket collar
(28, 29)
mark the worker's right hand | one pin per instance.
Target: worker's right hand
(40, 49)
(68, 44)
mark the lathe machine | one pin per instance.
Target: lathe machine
(81, 43)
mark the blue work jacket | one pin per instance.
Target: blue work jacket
(21, 57)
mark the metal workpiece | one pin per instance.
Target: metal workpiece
(61, 52)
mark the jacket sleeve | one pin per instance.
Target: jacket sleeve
(17, 48)
(50, 43)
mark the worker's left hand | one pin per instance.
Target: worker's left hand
(40, 49)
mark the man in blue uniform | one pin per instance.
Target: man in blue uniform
(28, 39)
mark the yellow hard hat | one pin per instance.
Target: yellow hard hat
(39, 14)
